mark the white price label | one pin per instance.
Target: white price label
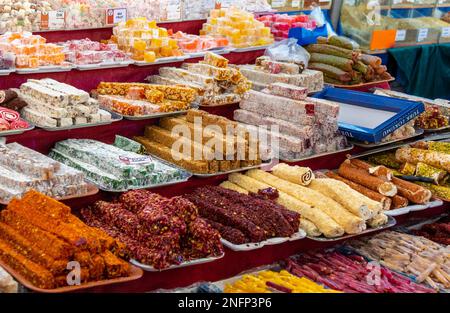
(53, 20)
(445, 32)
(422, 34)
(400, 35)
(295, 3)
(278, 3)
(174, 12)
(397, 1)
(135, 161)
(114, 16)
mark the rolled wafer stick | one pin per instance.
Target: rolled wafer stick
(295, 174)
(376, 196)
(379, 170)
(362, 177)
(399, 202)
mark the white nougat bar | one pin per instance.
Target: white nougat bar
(184, 75)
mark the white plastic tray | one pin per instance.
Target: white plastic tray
(44, 69)
(242, 169)
(150, 116)
(216, 51)
(391, 222)
(16, 131)
(251, 48)
(414, 208)
(115, 118)
(103, 65)
(419, 132)
(149, 268)
(7, 72)
(162, 61)
(314, 156)
(272, 241)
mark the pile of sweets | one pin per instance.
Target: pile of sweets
(280, 24)
(197, 10)
(306, 126)
(428, 159)
(240, 27)
(195, 133)
(426, 260)
(436, 115)
(39, 237)
(31, 51)
(7, 283)
(270, 281)
(10, 120)
(137, 99)
(380, 184)
(151, 9)
(267, 71)
(342, 63)
(23, 15)
(54, 104)
(193, 43)
(86, 51)
(350, 273)
(327, 207)
(243, 218)
(88, 13)
(22, 169)
(144, 40)
(7, 60)
(10, 99)
(438, 231)
(113, 168)
(158, 231)
(215, 82)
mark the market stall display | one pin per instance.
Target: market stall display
(271, 281)
(39, 237)
(22, 169)
(144, 100)
(158, 231)
(184, 141)
(192, 43)
(215, 81)
(424, 259)
(17, 16)
(114, 169)
(144, 40)
(7, 61)
(52, 105)
(280, 24)
(267, 71)
(286, 107)
(342, 63)
(10, 121)
(343, 272)
(239, 26)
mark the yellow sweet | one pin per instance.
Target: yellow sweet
(139, 45)
(156, 43)
(149, 56)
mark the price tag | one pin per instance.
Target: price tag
(295, 3)
(445, 32)
(422, 34)
(135, 161)
(53, 20)
(397, 1)
(174, 11)
(400, 35)
(278, 3)
(114, 16)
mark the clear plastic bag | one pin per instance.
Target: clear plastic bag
(288, 51)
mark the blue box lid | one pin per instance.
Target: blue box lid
(368, 117)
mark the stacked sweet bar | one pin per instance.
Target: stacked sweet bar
(111, 167)
(138, 99)
(39, 237)
(201, 143)
(267, 71)
(22, 169)
(158, 231)
(215, 81)
(86, 51)
(55, 104)
(306, 126)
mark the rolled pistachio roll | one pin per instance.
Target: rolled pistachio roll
(295, 174)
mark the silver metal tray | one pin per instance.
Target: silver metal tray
(391, 222)
(251, 48)
(258, 245)
(314, 156)
(16, 131)
(216, 51)
(242, 169)
(414, 208)
(162, 61)
(151, 116)
(115, 118)
(149, 268)
(419, 132)
(434, 130)
(103, 65)
(45, 69)
(7, 72)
